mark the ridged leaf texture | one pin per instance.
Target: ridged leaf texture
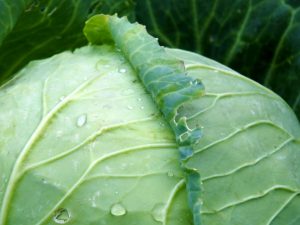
(93, 137)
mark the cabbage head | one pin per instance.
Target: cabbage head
(126, 132)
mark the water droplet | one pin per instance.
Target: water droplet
(118, 210)
(81, 120)
(122, 70)
(162, 124)
(158, 212)
(62, 98)
(61, 216)
(127, 92)
(142, 107)
(59, 133)
(44, 181)
(170, 174)
(94, 199)
(102, 63)
(129, 107)
(196, 82)
(139, 99)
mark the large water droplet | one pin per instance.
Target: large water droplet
(122, 70)
(158, 212)
(129, 107)
(118, 210)
(81, 120)
(61, 216)
(102, 63)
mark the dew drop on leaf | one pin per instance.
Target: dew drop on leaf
(162, 124)
(122, 70)
(170, 174)
(62, 216)
(196, 82)
(158, 212)
(118, 210)
(81, 120)
(127, 92)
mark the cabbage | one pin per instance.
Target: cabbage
(125, 132)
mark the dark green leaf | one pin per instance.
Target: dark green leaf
(46, 27)
(259, 38)
(9, 14)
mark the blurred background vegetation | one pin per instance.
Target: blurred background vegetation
(258, 38)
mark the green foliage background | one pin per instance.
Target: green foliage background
(258, 38)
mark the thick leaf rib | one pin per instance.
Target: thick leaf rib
(164, 77)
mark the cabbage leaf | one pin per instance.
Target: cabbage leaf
(121, 132)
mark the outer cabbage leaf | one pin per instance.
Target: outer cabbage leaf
(249, 154)
(258, 38)
(83, 143)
